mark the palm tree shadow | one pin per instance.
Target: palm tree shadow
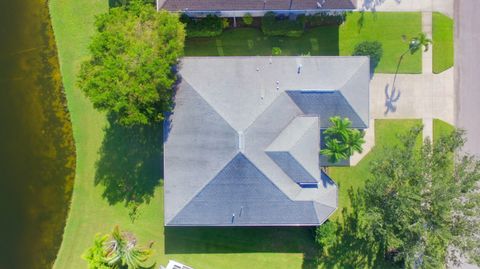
(130, 165)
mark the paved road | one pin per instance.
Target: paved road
(467, 54)
(467, 75)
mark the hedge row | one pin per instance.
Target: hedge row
(203, 27)
(273, 25)
(325, 19)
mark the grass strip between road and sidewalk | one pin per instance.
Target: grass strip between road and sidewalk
(443, 51)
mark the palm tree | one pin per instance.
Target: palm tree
(355, 141)
(335, 150)
(415, 44)
(420, 41)
(122, 251)
(339, 128)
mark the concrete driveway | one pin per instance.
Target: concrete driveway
(414, 96)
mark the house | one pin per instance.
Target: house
(238, 8)
(242, 144)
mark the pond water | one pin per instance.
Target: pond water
(37, 154)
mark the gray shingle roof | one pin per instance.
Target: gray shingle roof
(235, 137)
(296, 148)
(254, 200)
(231, 5)
(326, 104)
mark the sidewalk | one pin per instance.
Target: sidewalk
(444, 6)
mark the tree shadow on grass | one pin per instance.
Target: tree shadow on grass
(131, 163)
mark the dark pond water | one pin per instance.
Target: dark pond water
(37, 155)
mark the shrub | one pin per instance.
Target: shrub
(248, 19)
(369, 48)
(276, 51)
(325, 19)
(273, 25)
(326, 234)
(225, 23)
(203, 27)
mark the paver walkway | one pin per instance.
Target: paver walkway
(427, 64)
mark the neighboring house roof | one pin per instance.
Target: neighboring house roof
(232, 5)
(245, 135)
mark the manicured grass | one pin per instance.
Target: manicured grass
(392, 29)
(252, 42)
(443, 52)
(441, 128)
(386, 134)
(388, 28)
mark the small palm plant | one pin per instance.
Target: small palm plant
(334, 150)
(122, 251)
(338, 128)
(355, 141)
(341, 141)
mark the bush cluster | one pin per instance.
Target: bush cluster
(248, 19)
(369, 48)
(325, 19)
(203, 27)
(273, 25)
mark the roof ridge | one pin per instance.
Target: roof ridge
(221, 167)
(205, 185)
(315, 206)
(293, 155)
(266, 108)
(357, 71)
(237, 154)
(210, 105)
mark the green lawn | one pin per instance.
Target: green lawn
(392, 29)
(386, 132)
(388, 28)
(251, 42)
(441, 128)
(442, 42)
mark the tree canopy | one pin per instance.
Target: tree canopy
(129, 73)
(421, 205)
